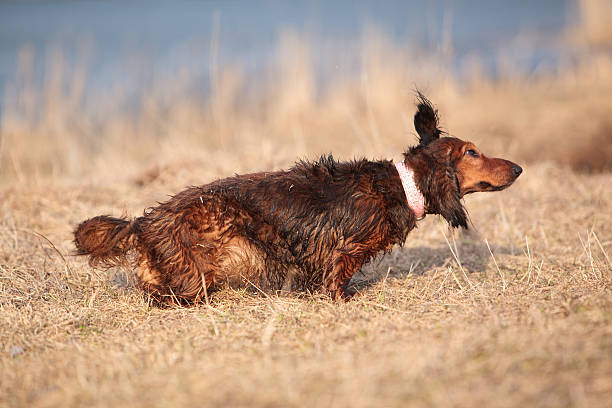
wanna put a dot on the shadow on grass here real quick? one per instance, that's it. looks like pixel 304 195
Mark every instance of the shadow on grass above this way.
pixel 474 256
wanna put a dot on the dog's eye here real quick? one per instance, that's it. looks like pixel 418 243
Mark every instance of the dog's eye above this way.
pixel 470 152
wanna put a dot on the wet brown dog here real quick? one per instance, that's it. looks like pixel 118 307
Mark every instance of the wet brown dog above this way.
pixel 310 227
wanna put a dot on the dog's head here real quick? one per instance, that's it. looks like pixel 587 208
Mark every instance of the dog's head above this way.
pixel 456 167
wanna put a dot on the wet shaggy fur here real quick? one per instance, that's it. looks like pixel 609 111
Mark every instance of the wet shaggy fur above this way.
pixel 307 228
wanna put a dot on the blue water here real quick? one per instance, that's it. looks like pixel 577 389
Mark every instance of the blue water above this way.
pixel 130 43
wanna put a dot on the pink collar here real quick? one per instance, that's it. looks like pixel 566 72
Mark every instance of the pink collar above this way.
pixel 415 199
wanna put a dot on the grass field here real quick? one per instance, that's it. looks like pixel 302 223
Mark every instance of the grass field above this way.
pixel 515 312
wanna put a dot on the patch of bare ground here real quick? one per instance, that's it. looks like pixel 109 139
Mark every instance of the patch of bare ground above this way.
pixel 516 312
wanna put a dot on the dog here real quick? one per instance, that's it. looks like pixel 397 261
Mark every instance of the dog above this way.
pixel 307 228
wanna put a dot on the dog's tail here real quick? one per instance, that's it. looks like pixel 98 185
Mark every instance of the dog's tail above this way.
pixel 106 240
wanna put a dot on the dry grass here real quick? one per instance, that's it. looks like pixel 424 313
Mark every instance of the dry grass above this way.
pixel 528 325
pixel 517 312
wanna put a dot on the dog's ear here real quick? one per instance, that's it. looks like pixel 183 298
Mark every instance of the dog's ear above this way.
pixel 426 120
pixel 445 198
pixel 454 213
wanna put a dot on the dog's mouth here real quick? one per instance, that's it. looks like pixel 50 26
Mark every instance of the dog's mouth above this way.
pixel 486 186
pixel 498 188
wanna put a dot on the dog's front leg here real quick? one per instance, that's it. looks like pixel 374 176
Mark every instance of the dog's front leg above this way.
pixel 344 265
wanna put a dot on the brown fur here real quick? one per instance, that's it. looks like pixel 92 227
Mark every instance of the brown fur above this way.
pixel 310 227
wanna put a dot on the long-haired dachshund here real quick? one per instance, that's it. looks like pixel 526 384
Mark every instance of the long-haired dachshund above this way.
pixel 310 227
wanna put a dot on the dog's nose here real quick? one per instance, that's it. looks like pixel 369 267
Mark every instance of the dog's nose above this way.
pixel 517 170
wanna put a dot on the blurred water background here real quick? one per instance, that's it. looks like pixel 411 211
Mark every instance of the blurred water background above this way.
pixel 130 44
pixel 108 88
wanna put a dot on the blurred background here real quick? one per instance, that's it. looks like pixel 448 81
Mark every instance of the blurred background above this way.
pixel 152 91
